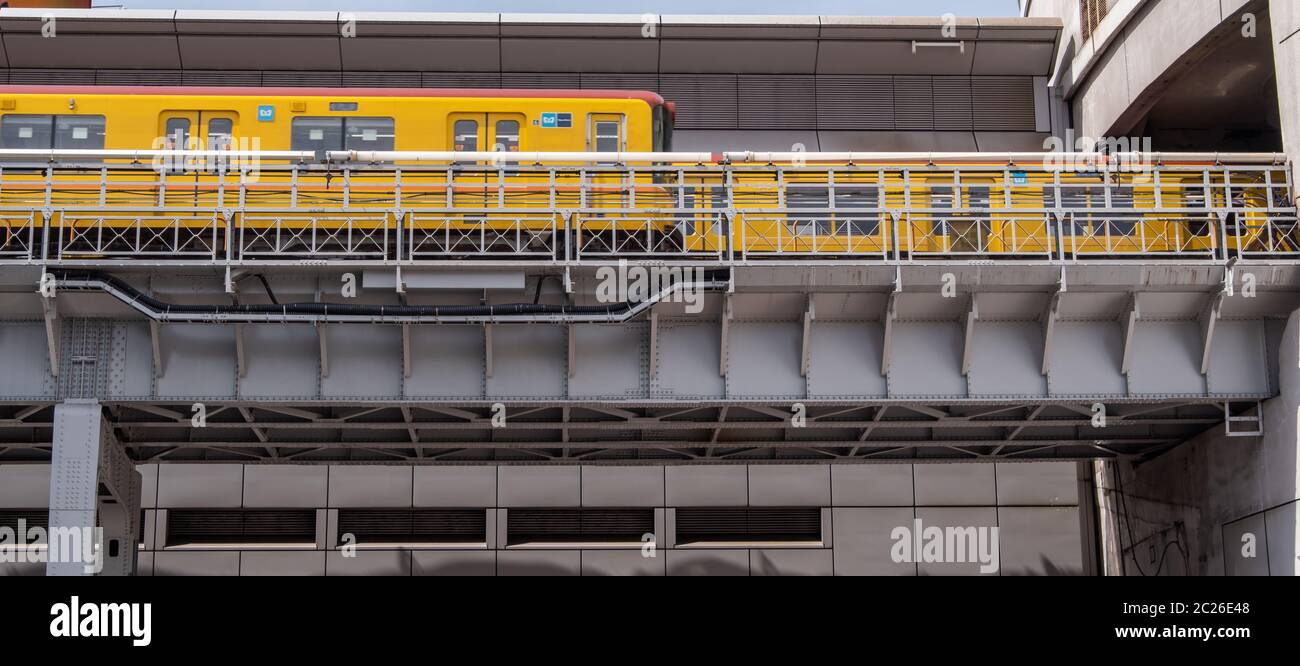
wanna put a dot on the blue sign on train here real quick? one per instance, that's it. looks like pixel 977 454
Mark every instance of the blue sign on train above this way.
pixel 265 113
pixel 557 120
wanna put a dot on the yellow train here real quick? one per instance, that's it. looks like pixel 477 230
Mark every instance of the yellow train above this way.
pixel 971 207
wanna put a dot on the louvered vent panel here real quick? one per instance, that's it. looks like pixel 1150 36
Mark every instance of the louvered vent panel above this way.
pixel 304 79
pixel 137 77
pixel 221 78
pixel 578 525
pixel 755 524
pixel 540 81
pixel 33 517
pixel 381 79
pixel 952 103
pixel 52 76
pixel 460 80
pixel 855 102
pixel 413 525
pixel 205 526
pixel 704 101
pixel 913 103
pixel 4 76
pixel 620 82
pixel 777 102
pixel 1004 103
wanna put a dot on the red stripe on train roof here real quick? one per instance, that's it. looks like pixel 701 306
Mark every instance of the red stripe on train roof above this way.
pixel 653 99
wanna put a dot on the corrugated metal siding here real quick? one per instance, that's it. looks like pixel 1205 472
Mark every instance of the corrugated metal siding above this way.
pixel 777 101
pixel 246 78
pixel 539 81
pixel 52 76
pixel 913 103
pixel 312 79
pixel 460 80
pixel 620 81
pixel 952 103
pixel 1003 103
pixel 138 77
pixel 381 79
pixel 854 102
pixel 704 101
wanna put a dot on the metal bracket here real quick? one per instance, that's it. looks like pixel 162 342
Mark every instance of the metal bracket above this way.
pixel 1257 419
pixel 1209 321
pixel 723 351
pixel 972 316
pixel 891 316
pixel 810 314
pixel 1128 323
pixel 1051 314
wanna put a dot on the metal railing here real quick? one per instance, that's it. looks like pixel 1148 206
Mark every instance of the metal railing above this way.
pixel 720 208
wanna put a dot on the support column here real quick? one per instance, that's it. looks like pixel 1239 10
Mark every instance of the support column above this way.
pixel 90 477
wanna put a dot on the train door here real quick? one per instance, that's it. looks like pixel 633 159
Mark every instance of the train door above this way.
pixel 197 130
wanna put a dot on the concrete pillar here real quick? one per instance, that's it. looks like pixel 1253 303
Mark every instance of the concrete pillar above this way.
pixel 91 478
pixel 1285 18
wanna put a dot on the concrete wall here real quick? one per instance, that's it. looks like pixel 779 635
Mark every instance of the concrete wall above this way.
pixel 1193 506
pixel 1035 505
pixel 1285 15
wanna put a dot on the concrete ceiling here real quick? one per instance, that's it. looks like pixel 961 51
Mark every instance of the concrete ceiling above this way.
pixel 631 43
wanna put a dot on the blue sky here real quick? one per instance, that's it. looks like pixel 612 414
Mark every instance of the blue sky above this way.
pixel 851 7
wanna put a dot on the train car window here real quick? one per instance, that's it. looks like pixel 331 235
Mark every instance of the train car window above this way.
pixel 854 196
pixel 507 135
pixel 79 132
pixel 26 131
pixel 369 134
pixel 815 223
pixel 176 133
pixel 466 135
pixel 221 134
pixel 316 134
pixel 607 137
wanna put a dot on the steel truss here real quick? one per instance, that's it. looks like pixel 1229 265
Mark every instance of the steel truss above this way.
pixel 606 433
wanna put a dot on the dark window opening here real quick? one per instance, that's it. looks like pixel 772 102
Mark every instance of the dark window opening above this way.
pixel 749 525
pixel 31 519
pixel 412 526
pixel 43 132
pixel 199 527
pixel 558 526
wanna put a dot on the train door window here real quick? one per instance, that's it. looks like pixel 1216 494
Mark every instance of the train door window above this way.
pixel 26 131
pixel 316 134
pixel 607 136
pixel 221 133
pixel 465 135
pixel 370 134
pixel 79 132
pixel 507 136
pixel 1123 223
pixel 815 222
pixel 176 133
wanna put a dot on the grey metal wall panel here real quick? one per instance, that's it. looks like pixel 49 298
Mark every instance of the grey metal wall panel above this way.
pixel 872 485
pixel 1086 358
pixel 528 362
pixel 622 486
pixel 1280 523
pixel 24 486
pixel 812 562
pixel 609 362
pixel 453 563
pixel 198 361
pixel 195 563
pixel 926 360
pixel 789 485
pixel 1038 484
pixel 27 355
pixel 707 562
pixel 280 563
pixel 855 102
pixel 763 360
pixel 130 373
pixel 364 362
pixel 844 360
pixel 148 485
pixel 446 362
pixel 619 81
pixel 622 563
pixel 455 487
pixel 1166 359
pixel 558 486
pixel 955 485
pixel 956 517
pixel 952 103
pixel 297 486
pixel 913 103
pixel 1007 360
pixel 777 102
pixel 539 563
pixel 370 486
pixel 1003 103
pixel 707 485
pixel 281 361
pixel 1040 541
pixel 200 486
pixel 863 544
pixel 1239 359
pixel 704 101
pixel 378 53
pixel 369 563
pixel 688 367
